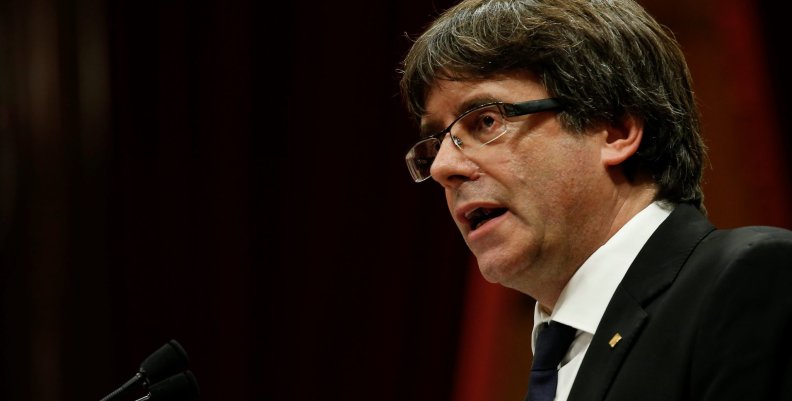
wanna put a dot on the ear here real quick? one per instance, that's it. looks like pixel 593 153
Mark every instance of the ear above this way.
pixel 622 140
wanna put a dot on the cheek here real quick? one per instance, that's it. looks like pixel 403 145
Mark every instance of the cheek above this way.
pixel 537 169
pixel 554 174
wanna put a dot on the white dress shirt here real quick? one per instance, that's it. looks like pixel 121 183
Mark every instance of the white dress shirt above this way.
pixel 584 299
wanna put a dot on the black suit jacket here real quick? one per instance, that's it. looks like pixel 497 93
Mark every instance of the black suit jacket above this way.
pixel 703 314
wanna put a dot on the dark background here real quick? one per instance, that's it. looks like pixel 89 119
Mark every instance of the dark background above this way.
pixel 230 174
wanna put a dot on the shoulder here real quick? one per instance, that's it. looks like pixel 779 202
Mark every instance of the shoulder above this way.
pixel 746 305
pixel 746 277
pixel 742 269
pixel 754 234
pixel 749 246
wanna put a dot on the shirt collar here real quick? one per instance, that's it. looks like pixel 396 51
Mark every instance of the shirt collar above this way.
pixel 586 296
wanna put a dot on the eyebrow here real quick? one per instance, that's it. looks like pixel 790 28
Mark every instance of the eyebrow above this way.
pixel 433 127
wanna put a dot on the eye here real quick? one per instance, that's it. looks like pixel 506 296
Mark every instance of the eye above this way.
pixel 482 125
pixel 487 122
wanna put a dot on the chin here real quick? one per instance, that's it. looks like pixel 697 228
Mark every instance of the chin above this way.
pixel 498 272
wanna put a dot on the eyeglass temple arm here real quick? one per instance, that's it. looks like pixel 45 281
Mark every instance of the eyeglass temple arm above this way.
pixel 533 106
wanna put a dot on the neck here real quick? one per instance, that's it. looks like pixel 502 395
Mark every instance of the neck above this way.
pixel 627 207
pixel 626 201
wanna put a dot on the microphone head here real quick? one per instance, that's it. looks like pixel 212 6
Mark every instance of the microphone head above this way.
pixel 164 362
pixel 179 387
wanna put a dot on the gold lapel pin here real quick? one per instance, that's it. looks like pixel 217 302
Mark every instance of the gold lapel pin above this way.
pixel 615 340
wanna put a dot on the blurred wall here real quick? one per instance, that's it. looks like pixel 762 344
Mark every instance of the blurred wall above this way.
pixel 230 174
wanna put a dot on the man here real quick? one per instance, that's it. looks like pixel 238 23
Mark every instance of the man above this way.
pixel 566 137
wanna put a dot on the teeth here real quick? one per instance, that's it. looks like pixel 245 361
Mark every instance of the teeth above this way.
pixel 478 210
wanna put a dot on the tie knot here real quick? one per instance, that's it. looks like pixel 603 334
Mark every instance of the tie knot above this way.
pixel 552 344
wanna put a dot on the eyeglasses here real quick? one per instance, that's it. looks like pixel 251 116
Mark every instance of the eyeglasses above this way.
pixel 473 129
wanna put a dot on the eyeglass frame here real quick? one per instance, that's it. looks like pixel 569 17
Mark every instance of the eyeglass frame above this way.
pixel 507 110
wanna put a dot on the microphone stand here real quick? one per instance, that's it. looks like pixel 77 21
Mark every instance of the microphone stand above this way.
pixel 124 387
pixel 179 387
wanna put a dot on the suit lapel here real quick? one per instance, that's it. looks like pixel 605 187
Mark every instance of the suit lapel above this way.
pixel 602 360
pixel 652 272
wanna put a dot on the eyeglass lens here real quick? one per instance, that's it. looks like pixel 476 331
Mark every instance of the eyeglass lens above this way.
pixel 473 129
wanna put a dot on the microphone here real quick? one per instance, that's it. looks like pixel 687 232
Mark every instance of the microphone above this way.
pixel 164 363
pixel 179 387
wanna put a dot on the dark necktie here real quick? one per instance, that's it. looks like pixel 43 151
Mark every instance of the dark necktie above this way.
pixel 552 344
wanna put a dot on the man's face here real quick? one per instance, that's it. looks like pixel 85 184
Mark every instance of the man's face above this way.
pixel 526 203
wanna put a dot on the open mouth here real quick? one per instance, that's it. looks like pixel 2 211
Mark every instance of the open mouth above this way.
pixel 481 215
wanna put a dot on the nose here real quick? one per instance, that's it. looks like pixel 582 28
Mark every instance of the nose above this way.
pixel 451 167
